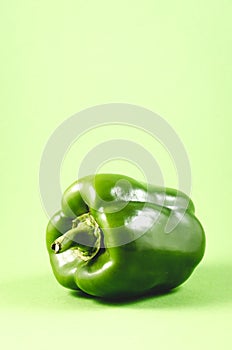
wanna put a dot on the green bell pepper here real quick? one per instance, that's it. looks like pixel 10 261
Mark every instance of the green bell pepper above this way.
pixel 111 237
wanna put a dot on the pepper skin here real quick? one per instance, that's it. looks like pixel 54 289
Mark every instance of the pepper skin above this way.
pixel 110 238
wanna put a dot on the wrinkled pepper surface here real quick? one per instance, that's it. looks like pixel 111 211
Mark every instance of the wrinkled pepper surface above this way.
pixel 115 237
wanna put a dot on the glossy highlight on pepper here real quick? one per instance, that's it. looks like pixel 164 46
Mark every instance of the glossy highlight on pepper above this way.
pixel 110 237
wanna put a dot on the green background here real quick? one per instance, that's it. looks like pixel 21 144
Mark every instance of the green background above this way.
pixel 59 57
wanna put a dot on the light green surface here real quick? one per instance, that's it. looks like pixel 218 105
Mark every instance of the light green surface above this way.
pixel 59 57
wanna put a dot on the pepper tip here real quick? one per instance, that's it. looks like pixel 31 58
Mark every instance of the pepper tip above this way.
pixel 56 247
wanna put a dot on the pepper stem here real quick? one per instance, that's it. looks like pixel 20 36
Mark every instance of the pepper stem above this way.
pixel 84 237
